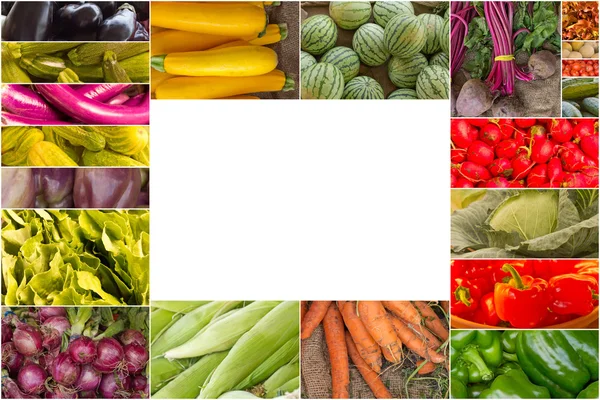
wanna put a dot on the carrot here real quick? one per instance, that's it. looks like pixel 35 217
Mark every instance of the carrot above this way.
pixel 370 376
pixel 303 310
pixel 428 368
pixel 403 310
pixel 446 306
pixel 432 341
pixel 313 317
pixel 432 321
pixel 333 325
pixel 365 344
pixel 378 324
pixel 415 342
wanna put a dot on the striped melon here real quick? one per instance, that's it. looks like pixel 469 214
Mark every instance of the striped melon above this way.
pixel 404 35
pixel 433 32
pixel 403 94
pixel 306 60
pixel 319 34
pixel 364 88
pixel 345 59
pixel 322 81
pixel 440 59
pixel 445 37
pixel 368 43
pixel 350 14
pixel 403 72
pixel 433 83
pixel 383 11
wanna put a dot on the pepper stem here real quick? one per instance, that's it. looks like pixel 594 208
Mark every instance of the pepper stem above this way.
pixel 471 355
pixel 463 295
pixel 515 276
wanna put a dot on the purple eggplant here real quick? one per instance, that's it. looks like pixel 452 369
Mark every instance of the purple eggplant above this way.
pixel 75 19
pixel 108 7
pixel 120 26
pixel 29 21
pixel 140 34
pixel 54 187
pixel 18 188
pixel 107 187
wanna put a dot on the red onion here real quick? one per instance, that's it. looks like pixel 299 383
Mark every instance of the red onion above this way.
pixel 130 336
pixel 11 358
pixel 47 359
pixel 27 339
pixel 31 379
pixel 88 394
pixel 139 384
pixel 113 385
pixel 64 370
pixel 46 312
pixel 82 350
pixel 136 357
pixel 52 331
pixel 109 355
pixel 89 379
pixel 7 332
pixel 10 390
pixel 60 392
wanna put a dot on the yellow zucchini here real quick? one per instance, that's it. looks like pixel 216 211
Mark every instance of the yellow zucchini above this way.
pixel 230 61
pixel 156 78
pixel 157 29
pixel 216 87
pixel 274 33
pixel 175 41
pixel 241 97
pixel 218 18
pixel 235 43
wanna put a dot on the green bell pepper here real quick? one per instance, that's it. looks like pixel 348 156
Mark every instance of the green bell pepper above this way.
pixel 507 366
pixel 509 341
pixel 585 344
pixel 549 360
pixel 474 391
pixel 460 372
pixel 458 390
pixel 480 351
pixel 490 347
pixel 514 385
pixel 590 392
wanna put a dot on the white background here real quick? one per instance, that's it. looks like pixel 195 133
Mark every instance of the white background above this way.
pixel 290 200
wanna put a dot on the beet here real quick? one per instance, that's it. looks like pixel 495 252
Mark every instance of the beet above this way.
pixel 506 107
pixel 542 64
pixel 474 99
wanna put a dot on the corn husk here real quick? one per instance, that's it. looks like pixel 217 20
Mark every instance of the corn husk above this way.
pixel 280 378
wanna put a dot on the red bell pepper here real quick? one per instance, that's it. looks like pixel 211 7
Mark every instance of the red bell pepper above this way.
pixel 573 294
pixel 501 276
pixel 555 319
pixel 522 301
pixel 486 313
pixel 466 295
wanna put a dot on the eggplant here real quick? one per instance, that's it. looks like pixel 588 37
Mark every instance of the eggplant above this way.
pixel 6 6
pixel 120 26
pixel 140 34
pixel 29 21
pixel 78 18
pixel 108 7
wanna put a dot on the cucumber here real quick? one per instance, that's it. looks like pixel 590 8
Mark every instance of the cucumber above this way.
pixel 579 88
pixel 79 136
pixel 569 110
pixel 590 105
pixel 574 104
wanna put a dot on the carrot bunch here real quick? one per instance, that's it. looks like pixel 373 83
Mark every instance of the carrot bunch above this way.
pixel 370 331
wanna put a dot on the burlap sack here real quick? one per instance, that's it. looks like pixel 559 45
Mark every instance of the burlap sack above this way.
pixel 316 375
pixel 380 74
pixel 287 50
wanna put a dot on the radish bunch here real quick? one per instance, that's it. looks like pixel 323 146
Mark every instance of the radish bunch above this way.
pixel 517 153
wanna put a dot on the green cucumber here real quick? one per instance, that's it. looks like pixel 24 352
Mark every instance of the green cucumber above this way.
pixel 590 104
pixel 569 110
pixel 579 88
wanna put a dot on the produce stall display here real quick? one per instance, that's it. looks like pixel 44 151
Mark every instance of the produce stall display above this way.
pixel 518 153
pixel 493 293
pixel 75 257
pixel 356 50
pixel 532 364
pixel 374 349
pixel 74 352
pixel 530 223
pixel 75 62
pixel 215 50
pixel 103 21
pixel 225 349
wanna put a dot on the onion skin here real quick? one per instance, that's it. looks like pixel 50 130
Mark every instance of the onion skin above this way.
pixel 7 332
pixel 136 357
pixel 130 336
pixel 11 358
pixel 31 379
pixel 64 370
pixel 103 91
pixel 89 379
pixel 27 340
pixel 110 355
pixel 83 350
pixel 24 102
pixel 46 312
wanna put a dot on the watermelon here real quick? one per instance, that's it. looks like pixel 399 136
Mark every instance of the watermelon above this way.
pixel 404 35
pixel 319 34
pixel 306 60
pixel 445 37
pixel 322 81
pixel 345 59
pixel 368 43
pixel 433 83
pixel 403 72
pixel 403 94
pixel 440 59
pixel 383 11
pixel 363 88
pixel 350 14
pixel 433 32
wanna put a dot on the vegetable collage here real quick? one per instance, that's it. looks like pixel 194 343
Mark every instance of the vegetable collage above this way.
pixel 355 50
pixel 225 349
pixel 374 349
pixel 216 50
pixel 74 352
pixel 527 364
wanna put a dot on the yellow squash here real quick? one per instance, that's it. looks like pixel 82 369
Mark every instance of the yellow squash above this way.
pixel 215 87
pixel 230 61
pixel 156 78
pixel 275 33
pixel 218 18
pixel 241 97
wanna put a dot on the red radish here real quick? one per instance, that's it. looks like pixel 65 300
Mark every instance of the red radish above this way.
pixel 27 339
pixel 479 122
pixel 542 150
pixel 521 137
pixel 524 122
pixel 507 149
pixel 507 128
pixel 461 133
pixel 31 379
pixel 463 183
pixel 585 127
pixel 474 172
pixel 574 180
pixel 11 358
pixel 453 180
pixel 480 153
pixel 500 166
pixel 109 355
pixel 572 159
pixel 490 134
pixel 554 170
pixel 458 155
pixel 64 370
pixel 561 130
pixel 521 166
pixel 589 145
pixel 82 350
pixel 516 184
pixel 497 182
pixel 537 132
pixel 538 176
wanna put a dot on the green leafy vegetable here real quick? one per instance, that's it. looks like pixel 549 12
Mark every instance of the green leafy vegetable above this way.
pixel 479 42
pixel 541 20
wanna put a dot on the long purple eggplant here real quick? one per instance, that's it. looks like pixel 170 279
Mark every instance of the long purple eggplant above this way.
pixel 9 119
pixel 24 102
pixel 103 91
